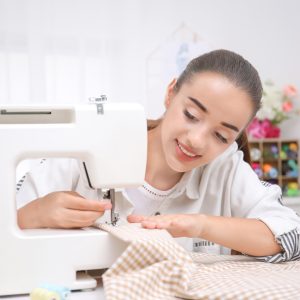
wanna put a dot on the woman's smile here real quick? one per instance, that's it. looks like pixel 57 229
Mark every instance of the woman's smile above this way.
pixel 185 153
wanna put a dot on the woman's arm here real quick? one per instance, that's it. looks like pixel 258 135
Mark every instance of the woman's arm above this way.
pixel 249 236
pixel 61 210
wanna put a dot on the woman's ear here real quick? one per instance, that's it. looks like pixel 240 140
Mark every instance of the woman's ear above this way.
pixel 170 92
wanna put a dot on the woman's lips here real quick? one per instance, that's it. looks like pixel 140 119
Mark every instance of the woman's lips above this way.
pixel 184 153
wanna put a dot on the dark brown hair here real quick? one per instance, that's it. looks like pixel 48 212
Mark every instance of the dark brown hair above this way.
pixel 231 65
pixel 237 70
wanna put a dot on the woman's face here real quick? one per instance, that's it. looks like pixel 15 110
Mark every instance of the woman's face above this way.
pixel 202 120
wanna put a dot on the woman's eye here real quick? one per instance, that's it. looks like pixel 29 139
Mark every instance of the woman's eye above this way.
pixel 221 138
pixel 189 115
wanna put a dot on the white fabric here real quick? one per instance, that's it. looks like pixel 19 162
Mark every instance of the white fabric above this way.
pixel 226 187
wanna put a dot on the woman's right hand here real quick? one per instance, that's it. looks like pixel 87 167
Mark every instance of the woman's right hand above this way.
pixel 61 210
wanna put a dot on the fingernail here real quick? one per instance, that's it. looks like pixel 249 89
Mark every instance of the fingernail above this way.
pixel 107 206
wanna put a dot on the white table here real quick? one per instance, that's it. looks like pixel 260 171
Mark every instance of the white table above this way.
pixel 96 294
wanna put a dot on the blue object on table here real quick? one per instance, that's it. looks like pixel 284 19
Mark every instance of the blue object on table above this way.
pixel 63 292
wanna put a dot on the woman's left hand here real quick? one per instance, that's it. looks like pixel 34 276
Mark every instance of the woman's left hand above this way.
pixel 181 225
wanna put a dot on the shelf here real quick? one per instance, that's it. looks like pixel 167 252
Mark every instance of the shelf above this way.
pixel 287 159
pixel 270 160
pixel 289 178
pixel 272 169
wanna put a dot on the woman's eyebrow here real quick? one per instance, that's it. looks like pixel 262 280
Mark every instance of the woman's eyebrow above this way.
pixel 230 126
pixel 199 104
pixel 204 109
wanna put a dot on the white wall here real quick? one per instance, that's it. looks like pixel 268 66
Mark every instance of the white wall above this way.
pixel 67 50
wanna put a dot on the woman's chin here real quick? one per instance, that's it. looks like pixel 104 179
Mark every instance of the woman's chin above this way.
pixel 179 167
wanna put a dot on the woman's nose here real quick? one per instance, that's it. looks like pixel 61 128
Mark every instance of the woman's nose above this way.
pixel 198 138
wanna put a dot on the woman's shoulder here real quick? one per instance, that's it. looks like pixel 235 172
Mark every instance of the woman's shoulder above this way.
pixel 56 165
pixel 229 159
pixel 48 170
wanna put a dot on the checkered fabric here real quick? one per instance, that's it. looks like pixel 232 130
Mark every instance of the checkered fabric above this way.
pixel 155 267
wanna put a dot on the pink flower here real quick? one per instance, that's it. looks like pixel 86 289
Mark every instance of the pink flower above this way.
pixel 255 130
pixel 290 91
pixel 263 129
pixel 287 106
pixel 273 132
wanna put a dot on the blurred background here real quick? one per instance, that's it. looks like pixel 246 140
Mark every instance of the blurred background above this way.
pixel 65 51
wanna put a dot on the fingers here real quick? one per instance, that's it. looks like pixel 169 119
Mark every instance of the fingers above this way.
pixel 171 226
pixel 176 225
pixel 79 203
pixel 152 222
pixel 149 224
pixel 155 225
pixel 136 218
pixel 141 218
pixel 79 218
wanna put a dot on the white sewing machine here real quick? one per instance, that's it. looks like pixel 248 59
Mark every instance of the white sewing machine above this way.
pixel 111 140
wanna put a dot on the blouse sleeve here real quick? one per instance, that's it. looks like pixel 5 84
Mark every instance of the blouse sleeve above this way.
pixel 252 198
pixel 49 175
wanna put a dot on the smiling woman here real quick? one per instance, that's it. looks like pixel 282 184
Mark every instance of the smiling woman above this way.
pixel 208 119
pixel 198 185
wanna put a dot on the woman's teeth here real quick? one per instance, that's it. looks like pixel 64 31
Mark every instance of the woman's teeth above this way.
pixel 186 152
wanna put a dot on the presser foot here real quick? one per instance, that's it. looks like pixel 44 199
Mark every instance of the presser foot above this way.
pixel 114 218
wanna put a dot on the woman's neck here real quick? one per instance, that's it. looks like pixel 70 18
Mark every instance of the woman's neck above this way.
pixel 158 172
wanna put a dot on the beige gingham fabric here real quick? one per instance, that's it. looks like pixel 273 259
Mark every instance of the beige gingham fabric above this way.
pixel 155 267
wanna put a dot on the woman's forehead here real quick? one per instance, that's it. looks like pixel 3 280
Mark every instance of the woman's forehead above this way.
pixel 219 96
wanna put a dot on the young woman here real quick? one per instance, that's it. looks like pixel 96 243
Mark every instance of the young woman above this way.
pixel 197 184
